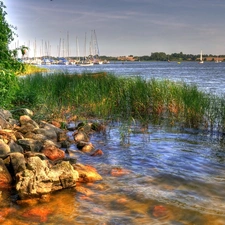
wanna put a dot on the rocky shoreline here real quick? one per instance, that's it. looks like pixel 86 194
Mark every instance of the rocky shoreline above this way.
pixel 35 158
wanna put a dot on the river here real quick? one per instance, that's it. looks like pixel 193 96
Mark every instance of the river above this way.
pixel 171 176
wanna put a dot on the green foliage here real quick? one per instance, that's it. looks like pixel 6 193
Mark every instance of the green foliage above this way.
pixel 7 60
pixel 8 88
pixel 118 98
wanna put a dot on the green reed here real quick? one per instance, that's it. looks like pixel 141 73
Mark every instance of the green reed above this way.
pixel 60 95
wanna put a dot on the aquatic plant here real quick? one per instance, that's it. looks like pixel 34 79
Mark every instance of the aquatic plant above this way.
pixel 61 95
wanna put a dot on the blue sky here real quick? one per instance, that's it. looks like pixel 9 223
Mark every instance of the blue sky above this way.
pixel 123 27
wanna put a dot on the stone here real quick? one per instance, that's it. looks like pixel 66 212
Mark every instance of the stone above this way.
pixel 5 176
pixel 3 123
pixel 14 147
pixel 87 148
pixel 160 211
pixel 18 162
pixel 87 173
pixel 53 153
pixel 6 114
pixel 63 173
pixel 117 172
pixel 81 136
pixel 49 133
pixel 22 111
pixel 24 120
pixel 29 144
pixel 39 214
pixel 98 152
pixel 4 148
pixel 40 178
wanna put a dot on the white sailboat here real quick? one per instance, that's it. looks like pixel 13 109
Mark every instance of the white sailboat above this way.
pixel 86 61
pixel 201 61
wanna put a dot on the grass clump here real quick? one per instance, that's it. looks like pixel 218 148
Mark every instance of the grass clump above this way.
pixel 30 69
pixel 117 98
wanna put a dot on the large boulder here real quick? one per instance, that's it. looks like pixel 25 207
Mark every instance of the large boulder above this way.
pixel 39 177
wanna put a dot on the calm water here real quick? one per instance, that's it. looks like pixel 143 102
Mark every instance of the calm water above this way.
pixel 209 76
pixel 172 177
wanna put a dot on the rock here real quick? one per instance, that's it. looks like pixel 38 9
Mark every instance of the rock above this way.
pixel 4 148
pixel 3 123
pixel 14 147
pixel 116 172
pixel 81 137
pixel 53 153
pixel 63 173
pixel 30 144
pixel 87 148
pixel 18 162
pixel 56 123
pixel 81 144
pixel 32 158
pixel 7 135
pixel 39 214
pixel 98 152
pixel 5 114
pixel 5 213
pixel 22 111
pixel 25 120
pixel 84 191
pixel 27 124
pixel 87 173
pixel 49 133
pixel 5 177
pixel 159 211
pixel 39 177
pixel 62 136
pixel 50 128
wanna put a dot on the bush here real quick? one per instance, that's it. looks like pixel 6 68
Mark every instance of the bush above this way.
pixel 8 88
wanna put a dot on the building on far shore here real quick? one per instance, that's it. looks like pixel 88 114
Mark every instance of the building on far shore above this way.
pixel 126 58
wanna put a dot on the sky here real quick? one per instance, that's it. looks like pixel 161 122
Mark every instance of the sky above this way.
pixel 122 27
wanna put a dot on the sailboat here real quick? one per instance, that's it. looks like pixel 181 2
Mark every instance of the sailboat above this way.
pixel 201 61
pixel 86 60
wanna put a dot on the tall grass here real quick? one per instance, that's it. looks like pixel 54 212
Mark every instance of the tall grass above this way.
pixel 107 96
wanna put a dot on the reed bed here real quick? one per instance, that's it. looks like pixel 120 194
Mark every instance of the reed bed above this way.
pixel 106 96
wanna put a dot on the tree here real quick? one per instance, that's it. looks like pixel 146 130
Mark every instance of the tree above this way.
pixel 8 63
pixel 7 60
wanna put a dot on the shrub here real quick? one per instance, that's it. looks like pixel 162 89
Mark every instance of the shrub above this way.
pixel 8 88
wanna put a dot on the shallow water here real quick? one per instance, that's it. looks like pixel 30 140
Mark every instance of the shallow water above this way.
pixel 170 176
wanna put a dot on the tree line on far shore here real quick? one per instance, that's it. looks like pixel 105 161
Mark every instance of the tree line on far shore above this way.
pixel 162 56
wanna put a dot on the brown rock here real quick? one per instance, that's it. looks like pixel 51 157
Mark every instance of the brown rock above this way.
pixel 87 173
pixel 160 211
pixel 116 172
pixel 98 152
pixel 38 214
pixel 81 136
pixel 87 148
pixel 5 177
pixel 53 153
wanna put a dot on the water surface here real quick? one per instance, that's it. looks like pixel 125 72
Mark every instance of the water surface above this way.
pixel 171 176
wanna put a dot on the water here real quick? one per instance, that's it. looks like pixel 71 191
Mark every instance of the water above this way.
pixel 209 76
pixel 171 176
